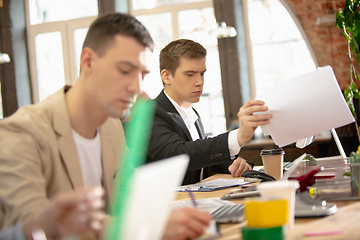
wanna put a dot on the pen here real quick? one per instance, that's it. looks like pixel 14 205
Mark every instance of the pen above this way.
pixel 192 197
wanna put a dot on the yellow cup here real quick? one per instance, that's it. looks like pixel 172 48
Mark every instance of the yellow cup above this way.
pixel 266 212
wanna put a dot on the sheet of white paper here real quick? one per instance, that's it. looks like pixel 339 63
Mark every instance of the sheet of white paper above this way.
pixel 305 106
pixel 209 205
pixel 145 214
pixel 218 183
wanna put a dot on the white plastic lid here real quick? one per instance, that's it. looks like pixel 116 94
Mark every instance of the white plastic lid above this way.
pixel 277 185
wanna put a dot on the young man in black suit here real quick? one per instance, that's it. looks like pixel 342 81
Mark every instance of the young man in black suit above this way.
pixel 177 127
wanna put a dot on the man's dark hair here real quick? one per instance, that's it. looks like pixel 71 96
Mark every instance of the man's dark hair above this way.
pixel 170 55
pixel 103 30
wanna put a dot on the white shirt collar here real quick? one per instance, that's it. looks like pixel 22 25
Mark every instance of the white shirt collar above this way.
pixel 184 112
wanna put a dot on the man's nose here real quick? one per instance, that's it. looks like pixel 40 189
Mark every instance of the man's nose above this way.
pixel 135 84
pixel 200 80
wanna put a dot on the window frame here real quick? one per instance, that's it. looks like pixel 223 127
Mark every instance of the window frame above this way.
pixel 173 9
pixel 66 29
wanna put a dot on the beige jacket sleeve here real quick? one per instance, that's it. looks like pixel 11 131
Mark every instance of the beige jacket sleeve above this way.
pixel 38 158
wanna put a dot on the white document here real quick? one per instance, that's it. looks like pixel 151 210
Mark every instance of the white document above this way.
pixel 146 214
pixel 305 106
pixel 213 185
pixel 209 205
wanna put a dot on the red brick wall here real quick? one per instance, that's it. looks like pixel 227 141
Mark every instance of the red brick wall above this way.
pixel 328 42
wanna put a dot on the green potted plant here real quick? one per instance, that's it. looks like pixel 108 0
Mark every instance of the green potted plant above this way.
pixel 348 19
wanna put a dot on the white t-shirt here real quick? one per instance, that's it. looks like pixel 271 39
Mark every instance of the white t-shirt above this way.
pixel 89 153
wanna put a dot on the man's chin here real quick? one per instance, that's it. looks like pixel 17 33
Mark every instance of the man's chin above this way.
pixel 124 114
pixel 196 100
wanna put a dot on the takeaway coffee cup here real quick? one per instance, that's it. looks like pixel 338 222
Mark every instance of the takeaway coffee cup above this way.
pixel 273 160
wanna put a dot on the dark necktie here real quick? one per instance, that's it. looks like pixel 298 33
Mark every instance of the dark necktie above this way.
pixel 202 135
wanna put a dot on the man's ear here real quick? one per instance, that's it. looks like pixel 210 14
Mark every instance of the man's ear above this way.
pixel 165 77
pixel 86 59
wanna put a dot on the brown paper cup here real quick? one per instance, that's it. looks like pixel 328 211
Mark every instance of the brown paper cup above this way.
pixel 273 160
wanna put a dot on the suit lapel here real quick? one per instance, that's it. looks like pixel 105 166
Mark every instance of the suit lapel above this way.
pixel 66 144
pixel 165 103
pixel 178 119
pixel 109 156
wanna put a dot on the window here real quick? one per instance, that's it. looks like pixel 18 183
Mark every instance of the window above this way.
pixel 42 11
pixel 279 51
pixel 56 30
pixel 174 19
pixel 149 4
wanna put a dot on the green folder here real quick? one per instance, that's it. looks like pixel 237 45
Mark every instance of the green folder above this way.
pixel 137 138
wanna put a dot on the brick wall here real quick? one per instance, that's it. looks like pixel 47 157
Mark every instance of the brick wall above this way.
pixel 328 42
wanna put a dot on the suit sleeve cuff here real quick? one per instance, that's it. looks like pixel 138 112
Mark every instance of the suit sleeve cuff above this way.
pixel 234 147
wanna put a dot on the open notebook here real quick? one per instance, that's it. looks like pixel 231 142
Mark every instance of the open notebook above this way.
pixel 153 187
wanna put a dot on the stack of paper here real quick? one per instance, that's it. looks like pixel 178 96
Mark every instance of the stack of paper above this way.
pixel 305 106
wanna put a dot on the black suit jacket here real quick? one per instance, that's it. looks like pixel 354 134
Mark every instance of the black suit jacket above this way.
pixel 171 137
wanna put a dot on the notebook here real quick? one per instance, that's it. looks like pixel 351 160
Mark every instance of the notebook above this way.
pixel 153 187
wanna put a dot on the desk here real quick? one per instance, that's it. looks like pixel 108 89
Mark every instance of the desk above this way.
pixel 347 219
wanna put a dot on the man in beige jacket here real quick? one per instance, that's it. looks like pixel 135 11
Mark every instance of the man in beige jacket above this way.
pixel 71 139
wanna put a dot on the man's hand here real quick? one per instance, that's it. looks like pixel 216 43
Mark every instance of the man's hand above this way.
pixel 75 213
pixel 186 223
pixel 249 122
pixel 238 166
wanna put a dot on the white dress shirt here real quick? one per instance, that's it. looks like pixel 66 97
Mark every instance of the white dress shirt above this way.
pixel 189 116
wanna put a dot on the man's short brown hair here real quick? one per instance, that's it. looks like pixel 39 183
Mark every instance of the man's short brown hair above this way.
pixel 103 30
pixel 170 55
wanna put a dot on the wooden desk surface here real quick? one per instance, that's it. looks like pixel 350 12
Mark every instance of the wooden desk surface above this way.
pixel 346 219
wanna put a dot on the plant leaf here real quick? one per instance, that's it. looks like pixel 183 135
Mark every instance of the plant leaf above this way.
pixel 354 90
pixel 339 19
pixel 345 33
pixel 357 54
pixel 357 76
pixel 349 14
pixel 348 94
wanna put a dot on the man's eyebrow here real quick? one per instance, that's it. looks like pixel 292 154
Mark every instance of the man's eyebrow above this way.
pixel 132 65
pixel 194 71
pixel 191 71
pixel 128 63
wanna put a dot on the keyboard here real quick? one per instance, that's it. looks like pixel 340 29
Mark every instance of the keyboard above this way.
pixel 227 214
pixel 286 166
